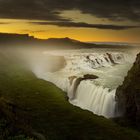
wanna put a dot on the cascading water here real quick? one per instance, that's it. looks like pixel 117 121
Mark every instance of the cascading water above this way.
pixel 94 93
pixel 98 99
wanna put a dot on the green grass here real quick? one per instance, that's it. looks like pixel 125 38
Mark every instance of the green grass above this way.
pixel 49 113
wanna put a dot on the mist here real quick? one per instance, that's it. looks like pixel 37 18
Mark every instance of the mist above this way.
pixel 38 59
pixel 81 66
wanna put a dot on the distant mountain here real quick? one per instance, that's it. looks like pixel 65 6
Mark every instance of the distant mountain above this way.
pixel 69 43
pixel 7 39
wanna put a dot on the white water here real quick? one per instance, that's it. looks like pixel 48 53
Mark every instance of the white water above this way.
pixel 97 99
pixel 95 95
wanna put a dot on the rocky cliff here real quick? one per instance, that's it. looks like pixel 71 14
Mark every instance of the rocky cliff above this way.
pixel 128 94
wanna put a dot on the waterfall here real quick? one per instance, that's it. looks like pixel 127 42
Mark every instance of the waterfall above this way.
pixel 95 92
pixel 94 98
pixel 90 61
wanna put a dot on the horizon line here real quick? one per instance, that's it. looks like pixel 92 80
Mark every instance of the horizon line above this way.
pixel 93 41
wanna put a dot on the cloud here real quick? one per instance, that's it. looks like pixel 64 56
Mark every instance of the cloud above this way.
pixel 33 31
pixel 32 9
pixel 86 25
pixel 51 9
pixel 4 22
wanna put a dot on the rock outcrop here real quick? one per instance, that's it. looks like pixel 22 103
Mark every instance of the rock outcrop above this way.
pixel 78 81
pixel 128 94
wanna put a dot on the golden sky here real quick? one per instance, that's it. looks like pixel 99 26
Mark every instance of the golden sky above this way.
pixel 37 29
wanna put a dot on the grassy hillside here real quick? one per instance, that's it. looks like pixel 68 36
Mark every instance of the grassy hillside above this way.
pixel 34 107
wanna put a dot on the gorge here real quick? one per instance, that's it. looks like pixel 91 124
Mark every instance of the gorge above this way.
pixel 90 79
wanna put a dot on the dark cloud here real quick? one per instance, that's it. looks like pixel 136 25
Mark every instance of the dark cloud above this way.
pixel 50 9
pixel 31 9
pixel 4 22
pixel 86 25
pixel 33 31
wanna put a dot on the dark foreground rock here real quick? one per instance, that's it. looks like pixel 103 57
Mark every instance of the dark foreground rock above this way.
pixel 128 94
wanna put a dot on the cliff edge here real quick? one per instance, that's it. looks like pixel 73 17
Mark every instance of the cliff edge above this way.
pixel 128 94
